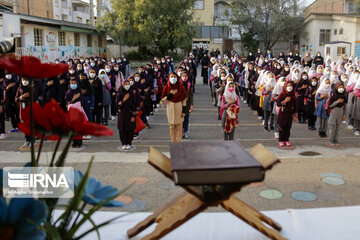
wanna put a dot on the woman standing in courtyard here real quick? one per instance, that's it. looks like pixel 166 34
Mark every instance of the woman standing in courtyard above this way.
pixel 175 95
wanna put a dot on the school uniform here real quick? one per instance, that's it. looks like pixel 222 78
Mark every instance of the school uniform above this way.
pixel 126 110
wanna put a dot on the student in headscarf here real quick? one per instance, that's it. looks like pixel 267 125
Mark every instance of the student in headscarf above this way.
pixel 275 94
pixel 175 95
pixel 127 65
pixel 307 61
pixel 88 96
pixel 11 88
pixel 286 103
pixel 336 103
pixel 97 89
pixel 301 87
pixel 126 107
pixel 356 108
pixel 267 106
pixel 189 103
pixel 318 60
pixel 286 70
pixel 73 96
pixel 351 98
pixel 310 103
pixel 229 110
pixel 321 97
pixel 23 99
pixel 111 75
pixel 106 87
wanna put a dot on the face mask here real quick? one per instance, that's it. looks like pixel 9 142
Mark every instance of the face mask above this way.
pixel 282 84
pixel 304 77
pixel 269 52
pixel 340 90
pixel 119 61
pixel 73 86
pixel 131 83
pixel 266 60
pixel 168 60
pixel 137 79
pixel 158 62
pixel 319 54
pixel 250 54
pixel 69 63
pixel 327 86
pixel 184 79
pixel 287 69
pixel 116 68
pixel 71 71
pixel 92 64
pixel 107 70
pixel 289 88
pixel 124 59
pixel 259 51
pixel 56 62
pixel 251 68
pixel 278 67
pixel 314 84
pixel 231 90
pixel 190 61
pixel 223 78
pixel 79 68
pixel 81 60
pixel 92 75
pixel 127 87
pixel 87 61
pixel 25 83
pixel 187 68
pixel 86 68
pixel 179 74
pixel 156 69
pixel 8 76
pixel 102 76
pixel 345 80
pixel 112 60
pixel 173 80
pixel 163 61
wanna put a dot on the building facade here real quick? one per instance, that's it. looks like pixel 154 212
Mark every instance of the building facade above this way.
pixel 50 39
pixel 332 28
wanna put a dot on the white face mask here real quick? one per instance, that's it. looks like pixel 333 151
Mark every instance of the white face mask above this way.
pixel 304 77
pixel 56 62
pixel 107 70
pixel 102 76
pixel 79 68
pixel 25 83
pixel 127 87
pixel 71 71
pixel 341 90
pixel 92 64
pixel 282 84
pixel 289 88
pixel 314 84
pixel 223 78
pixel 158 62
pixel 163 61
pixel 278 67
pixel 137 79
pixel 81 60
pixel 287 69
pixel 179 74
pixel 8 76
pixel 327 86
pixel 92 75
pixel 156 69
pixel 131 83
pixel 173 80
pixel 124 59
pixel 116 68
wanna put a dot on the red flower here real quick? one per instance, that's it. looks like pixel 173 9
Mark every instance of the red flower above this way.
pixel 31 67
pixel 56 123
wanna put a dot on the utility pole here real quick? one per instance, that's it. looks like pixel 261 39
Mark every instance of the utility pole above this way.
pixel 15 8
pixel 92 23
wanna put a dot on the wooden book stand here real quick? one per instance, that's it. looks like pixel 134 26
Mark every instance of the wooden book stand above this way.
pixel 197 198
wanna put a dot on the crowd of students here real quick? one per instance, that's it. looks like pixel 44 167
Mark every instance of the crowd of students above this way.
pixel 105 90
pixel 285 89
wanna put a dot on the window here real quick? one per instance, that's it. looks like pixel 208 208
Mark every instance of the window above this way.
pixel 335 31
pixel 62 39
pixel 100 39
pixel 56 3
pixel 199 5
pixel 328 51
pixel 38 37
pixel 341 31
pixel 79 19
pixel 324 36
pixel 77 39
pixel 341 51
pixel 89 40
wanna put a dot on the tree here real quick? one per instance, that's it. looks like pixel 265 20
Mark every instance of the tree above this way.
pixel 164 25
pixel 269 20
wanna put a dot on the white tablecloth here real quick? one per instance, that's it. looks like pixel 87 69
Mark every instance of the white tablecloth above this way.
pixel 341 223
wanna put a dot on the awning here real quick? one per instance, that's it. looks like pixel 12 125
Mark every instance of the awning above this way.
pixel 75 29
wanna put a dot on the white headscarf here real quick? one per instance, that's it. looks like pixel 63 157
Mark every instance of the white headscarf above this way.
pixel 357 84
pixel 352 79
pixel 270 81
pixel 279 86
pixel 228 95
pixel 106 76
pixel 324 89
pixel 334 77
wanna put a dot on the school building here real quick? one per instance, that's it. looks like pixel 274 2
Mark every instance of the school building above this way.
pixel 49 39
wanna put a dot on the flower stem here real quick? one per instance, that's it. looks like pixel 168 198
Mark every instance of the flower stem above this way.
pixel 79 213
pixel 40 147
pixel 32 125
pixel 61 160
pixel 55 151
